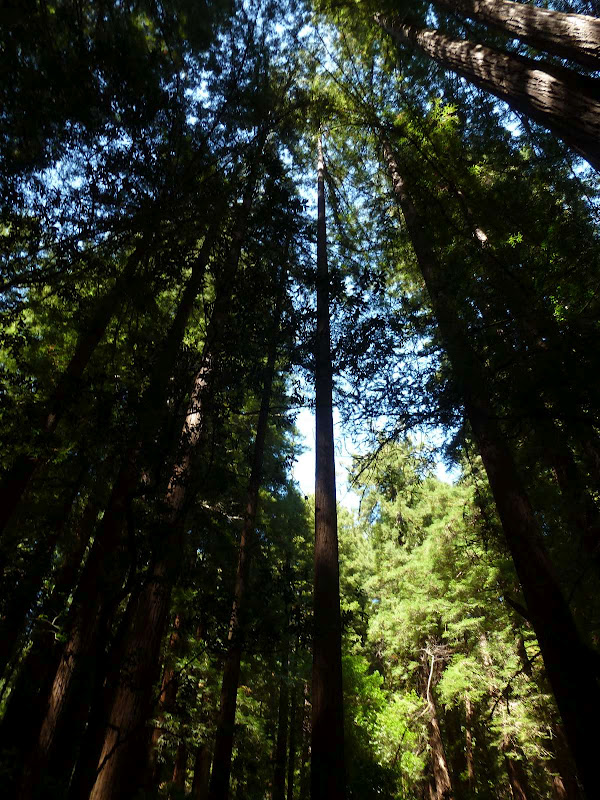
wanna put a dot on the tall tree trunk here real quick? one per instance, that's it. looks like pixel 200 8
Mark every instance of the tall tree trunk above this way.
pixel 278 791
pixel 201 773
pixel 564 781
pixel 562 101
pixel 572 36
pixel 305 751
pixel 25 595
pixel 221 768
pixel 517 777
pixel 328 779
pixel 125 742
pixel 469 743
pixel 17 479
pixel 166 698
pixel 293 741
pixel 568 665
pixel 105 568
pixel 441 785
pixel 180 768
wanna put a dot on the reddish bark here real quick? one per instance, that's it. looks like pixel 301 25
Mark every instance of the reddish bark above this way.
pixel 568 665
pixel 328 780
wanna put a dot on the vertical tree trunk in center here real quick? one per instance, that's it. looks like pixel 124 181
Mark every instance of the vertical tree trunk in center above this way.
pixel 327 762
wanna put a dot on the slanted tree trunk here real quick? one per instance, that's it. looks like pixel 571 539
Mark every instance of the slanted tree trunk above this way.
pixel 26 593
pixel 517 777
pixel 568 665
pixel 221 768
pixel 441 785
pixel 123 760
pixel 564 102
pixel 17 479
pixel 572 36
pixel 106 566
pixel 328 780
pixel 166 698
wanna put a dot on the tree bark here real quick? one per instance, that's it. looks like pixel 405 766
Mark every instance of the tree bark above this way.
pixel 564 102
pixel 572 36
pixel 221 768
pixel 441 786
pixel 328 779
pixel 180 768
pixel 17 479
pixel 469 743
pixel 517 777
pixel 278 791
pixel 305 752
pixel 568 665
pixel 201 773
pixel 293 743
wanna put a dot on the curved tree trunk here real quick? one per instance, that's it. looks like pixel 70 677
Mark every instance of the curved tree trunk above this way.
pixel 568 665
pixel 572 36
pixel 564 102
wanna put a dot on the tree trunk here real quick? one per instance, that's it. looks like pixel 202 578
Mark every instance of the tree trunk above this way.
pixel 104 571
pixel 180 768
pixel 221 768
pixel 26 594
pixel 568 665
pixel 166 698
pixel 517 777
pixel 17 479
pixel 564 780
pixel 201 773
pixel 328 780
pixel 293 743
pixel 572 36
pixel 564 102
pixel 125 742
pixel 469 743
pixel 305 752
pixel 278 791
pixel 441 786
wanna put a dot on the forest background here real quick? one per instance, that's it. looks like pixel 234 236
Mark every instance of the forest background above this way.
pixel 160 630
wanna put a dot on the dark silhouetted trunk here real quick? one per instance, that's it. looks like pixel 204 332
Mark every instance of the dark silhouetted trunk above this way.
pixel 17 479
pixel 201 773
pixel 221 768
pixel 328 780
pixel 106 566
pixel 166 699
pixel 26 593
pixel 564 780
pixel 180 768
pixel 564 102
pixel 291 772
pixel 572 36
pixel 568 665
pixel 517 777
pixel 123 762
pixel 304 787
pixel 278 791
pixel 469 743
